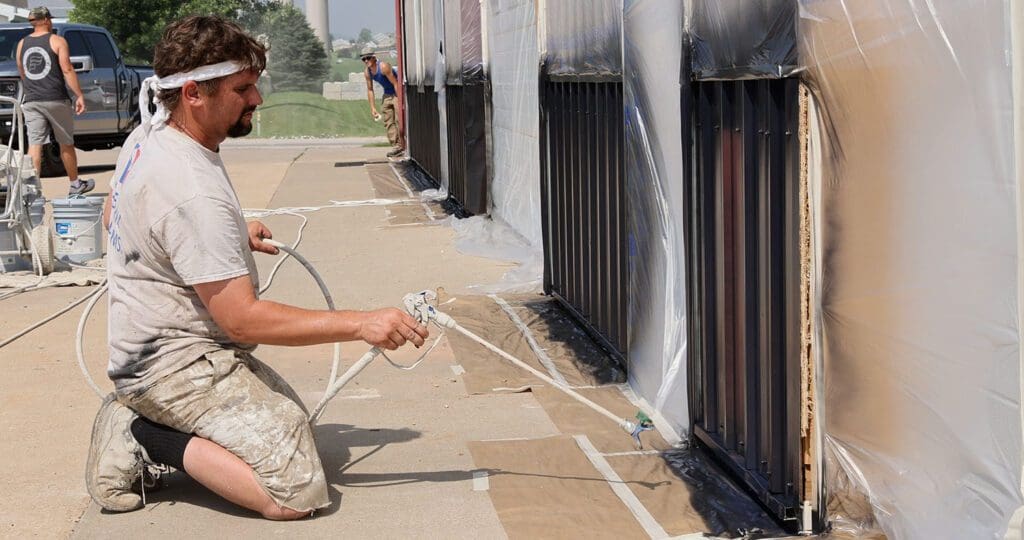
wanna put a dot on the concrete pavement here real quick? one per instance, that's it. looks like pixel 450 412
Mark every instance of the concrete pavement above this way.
pixel 395 444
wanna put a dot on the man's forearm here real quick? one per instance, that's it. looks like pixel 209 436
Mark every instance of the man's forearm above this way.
pixel 370 98
pixel 271 323
pixel 72 81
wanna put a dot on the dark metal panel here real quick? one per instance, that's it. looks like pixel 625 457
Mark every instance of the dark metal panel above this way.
pixel 585 244
pixel 548 159
pixel 467 150
pixel 709 125
pixel 743 258
pixel 602 282
pixel 424 129
pixel 615 125
pixel 794 459
pixel 745 280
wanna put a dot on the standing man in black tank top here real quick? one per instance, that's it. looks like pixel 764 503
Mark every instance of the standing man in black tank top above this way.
pixel 46 72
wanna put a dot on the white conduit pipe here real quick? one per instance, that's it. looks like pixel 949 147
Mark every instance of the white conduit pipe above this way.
pixel 52 317
pixel 80 337
pixel 337 385
pixel 319 283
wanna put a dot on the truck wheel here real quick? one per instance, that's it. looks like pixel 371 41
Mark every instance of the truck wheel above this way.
pixel 52 164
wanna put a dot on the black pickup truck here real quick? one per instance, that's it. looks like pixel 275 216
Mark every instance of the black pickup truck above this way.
pixel 110 86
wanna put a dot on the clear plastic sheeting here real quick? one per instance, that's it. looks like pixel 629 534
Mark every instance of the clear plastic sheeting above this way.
pixel 584 37
pixel 431 32
pixel 916 252
pixel 462 41
pixel 440 75
pixel 481 236
pixel 453 40
pixel 743 39
pixel 412 43
pixel 472 42
pixel 654 169
pixel 515 121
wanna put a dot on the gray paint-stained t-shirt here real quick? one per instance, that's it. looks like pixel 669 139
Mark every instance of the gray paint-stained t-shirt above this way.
pixel 175 222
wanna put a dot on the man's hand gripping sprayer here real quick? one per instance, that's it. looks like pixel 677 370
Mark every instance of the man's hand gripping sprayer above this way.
pixel 419 307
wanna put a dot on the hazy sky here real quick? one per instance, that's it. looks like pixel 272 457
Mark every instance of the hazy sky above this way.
pixel 350 16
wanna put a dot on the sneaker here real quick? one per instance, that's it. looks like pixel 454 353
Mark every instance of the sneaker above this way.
pixel 81 187
pixel 115 459
pixel 396 152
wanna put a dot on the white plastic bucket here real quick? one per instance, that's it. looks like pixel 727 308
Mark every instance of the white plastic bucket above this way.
pixel 9 241
pixel 78 229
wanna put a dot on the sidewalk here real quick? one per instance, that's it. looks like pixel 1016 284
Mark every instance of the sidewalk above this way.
pixel 465 446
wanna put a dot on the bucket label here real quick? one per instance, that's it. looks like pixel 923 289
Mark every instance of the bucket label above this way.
pixel 75 239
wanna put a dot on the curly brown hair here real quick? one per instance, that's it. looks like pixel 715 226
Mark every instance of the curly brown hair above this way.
pixel 198 41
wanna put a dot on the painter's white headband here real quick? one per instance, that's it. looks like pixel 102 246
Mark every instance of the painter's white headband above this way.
pixel 177 80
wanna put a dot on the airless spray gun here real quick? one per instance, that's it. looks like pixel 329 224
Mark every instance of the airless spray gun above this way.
pixel 419 307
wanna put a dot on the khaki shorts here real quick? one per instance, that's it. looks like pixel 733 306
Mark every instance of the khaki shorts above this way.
pixel 241 404
pixel 43 116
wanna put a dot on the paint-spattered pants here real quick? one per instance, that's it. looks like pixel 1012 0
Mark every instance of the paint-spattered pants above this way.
pixel 238 402
pixel 389 110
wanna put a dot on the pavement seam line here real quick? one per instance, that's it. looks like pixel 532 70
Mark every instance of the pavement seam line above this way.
pixel 285 175
pixel 637 508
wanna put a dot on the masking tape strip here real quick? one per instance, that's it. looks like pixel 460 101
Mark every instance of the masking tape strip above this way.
pixel 480 481
pixel 646 520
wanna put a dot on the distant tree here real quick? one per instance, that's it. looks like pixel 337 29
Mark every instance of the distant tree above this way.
pixel 138 24
pixel 365 36
pixel 297 58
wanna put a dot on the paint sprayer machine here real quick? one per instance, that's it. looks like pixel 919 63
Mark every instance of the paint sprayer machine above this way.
pixel 25 241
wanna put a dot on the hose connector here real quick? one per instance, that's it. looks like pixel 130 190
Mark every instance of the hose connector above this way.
pixel 643 423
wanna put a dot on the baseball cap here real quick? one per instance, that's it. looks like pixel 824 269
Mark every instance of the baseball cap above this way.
pixel 38 13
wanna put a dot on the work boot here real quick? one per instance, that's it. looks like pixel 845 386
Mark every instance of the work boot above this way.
pixel 396 152
pixel 115 459
pixel 81 187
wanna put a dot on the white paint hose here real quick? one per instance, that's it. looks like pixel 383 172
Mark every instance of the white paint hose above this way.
pixel 417 305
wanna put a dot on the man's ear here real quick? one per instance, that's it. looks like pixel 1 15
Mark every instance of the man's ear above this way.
pixel 190 93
